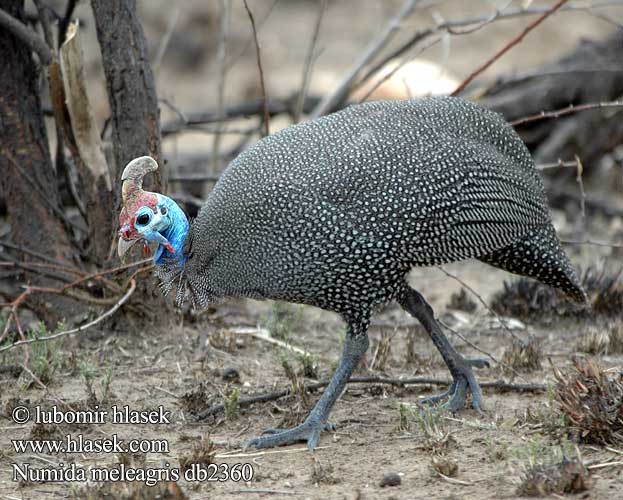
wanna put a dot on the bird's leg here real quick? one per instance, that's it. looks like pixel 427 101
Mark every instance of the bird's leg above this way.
pixel 460 367
pixel 355 347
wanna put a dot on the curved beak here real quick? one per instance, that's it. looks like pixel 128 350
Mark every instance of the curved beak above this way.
pixel 124 245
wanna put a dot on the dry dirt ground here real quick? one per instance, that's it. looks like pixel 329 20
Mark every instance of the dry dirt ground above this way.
pixel 182 368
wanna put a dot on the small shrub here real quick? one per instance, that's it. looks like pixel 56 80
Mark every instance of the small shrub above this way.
pixel 523 355
pixel 461 301
pixel 592 402
pixel 202 454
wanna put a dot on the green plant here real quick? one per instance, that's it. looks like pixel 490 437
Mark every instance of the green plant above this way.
pixel 404 417
pixel 44 358
pixel 230 402
pixel 88 372
pixel 309 364
pixel 546 468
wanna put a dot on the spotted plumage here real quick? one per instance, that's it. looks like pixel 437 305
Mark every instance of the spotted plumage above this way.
pixel 334 213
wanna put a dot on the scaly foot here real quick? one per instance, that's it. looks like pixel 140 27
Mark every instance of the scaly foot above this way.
pixel 463 380
pixel 308 431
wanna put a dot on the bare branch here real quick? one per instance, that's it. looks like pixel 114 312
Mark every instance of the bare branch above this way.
pixel 64 22
pixel 81 328
pixel 480 299
pixel 309 61
pixel 480 21
pixel 340 94
pixel 508 46
pixel 259 66
pixel 220 54
pixel 29 37
pixel 164 42
pixel 566 111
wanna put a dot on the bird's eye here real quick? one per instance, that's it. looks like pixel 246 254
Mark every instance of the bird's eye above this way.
pixel 142 219
pixel 163 210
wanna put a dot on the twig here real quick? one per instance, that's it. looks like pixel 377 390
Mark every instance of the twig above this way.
pixel 559 164
pixel 309 61
pixel 81 328
pixel 263 398
pixel 233 60
pixel 566 111
pixel 398 66
pixel 259 66
pixel 481 300
pixel 335 98
pixel 240 110
pixel 578 178
pixel 64 22
pixel 26 250
pixel 26 35
pixel 44 12
pixel 220 53
pixel 508 46
pixel 481 21
pixel 591 242
pixel 164 42
pixel 264 334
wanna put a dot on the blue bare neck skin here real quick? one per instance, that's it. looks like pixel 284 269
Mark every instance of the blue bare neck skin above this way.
pixel 176 233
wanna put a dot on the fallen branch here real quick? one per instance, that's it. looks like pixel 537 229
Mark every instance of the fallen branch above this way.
pixel 508 46
pixel 396 382
pixel 80 328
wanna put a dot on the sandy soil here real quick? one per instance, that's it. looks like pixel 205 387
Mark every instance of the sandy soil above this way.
pixel 174 368
pixel 166 364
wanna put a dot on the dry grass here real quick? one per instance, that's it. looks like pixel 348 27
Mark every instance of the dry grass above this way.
pixel 523 356
pixel 536 302
pixel 602 340
pixel 130 490
pixel 201 454
pixel 566 476
pixel 591 400
pixel 461 301
pixel 323 472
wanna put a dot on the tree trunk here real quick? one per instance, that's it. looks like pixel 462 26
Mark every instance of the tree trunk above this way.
pixel 135 116
pixel 131 89
pixel 26 172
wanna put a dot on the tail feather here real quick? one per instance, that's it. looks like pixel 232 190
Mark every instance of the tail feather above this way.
pixel 539 255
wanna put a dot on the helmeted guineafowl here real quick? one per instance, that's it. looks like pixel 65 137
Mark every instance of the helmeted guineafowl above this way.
pixel 334 213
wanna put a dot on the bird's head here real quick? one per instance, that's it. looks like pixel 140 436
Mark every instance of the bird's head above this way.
pixel 150 217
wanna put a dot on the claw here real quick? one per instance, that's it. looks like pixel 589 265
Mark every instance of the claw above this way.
pixel 463 381
pixel 308 431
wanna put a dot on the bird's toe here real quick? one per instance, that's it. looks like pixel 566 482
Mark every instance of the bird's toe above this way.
pixel 308 431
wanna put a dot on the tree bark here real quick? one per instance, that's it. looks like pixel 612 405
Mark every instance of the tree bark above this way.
pixel 26 171
pixel 131 90
pixel 135 116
